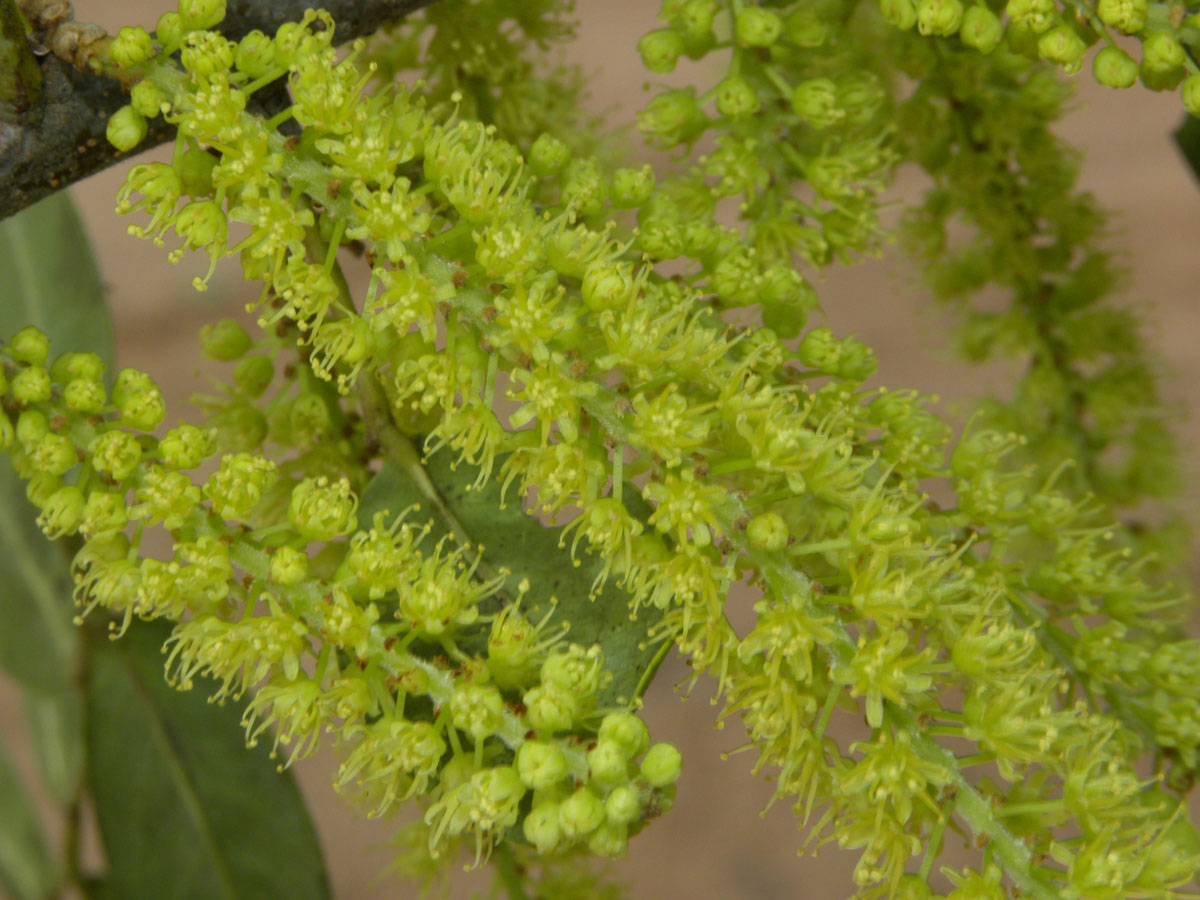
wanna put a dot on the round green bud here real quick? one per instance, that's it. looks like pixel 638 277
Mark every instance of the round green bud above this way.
pixel 200 14
pixel 169 30
pixel 550 709
pixel 580 814
pixel 696 18
pixel 1191 94
pixel 736 97
pixel 768 531
pixel 31 385
pixel 1114 68
pixel 131 46
pixel 981 29
pixel 115 453
pixel 805 28
pixel 1063 47
pixel 288 566
pixel 608 763
pixel 541 826
pixel 607 287
pixel 308 419
pixel 541 764
pixel 32 426
pixel 54 454
pixel 627 731
pixel 138 399
pixel 623 805
pixel 548 156
pixel 104 515
pixel 630 188
pixel 1128 16
pixel 661 49
pixel 186 446
pixel 255 54
pixel 63 512
pixel 662 765
pixel 673 117
pixel 202 223
pixel 225 340
pixel 29 346
pixel 126 128
pixel 321 511
pixel 584 187
pixel 84 395
pixel 901 13
pixel 69 366
pixel 1162 52
pixel 609 840
pixel 758 27
pixel 816 102
pixel 41 487
pixel 939 17
pixel 253 375
pixel 195 168
pixel 1032 15
pixel 146 99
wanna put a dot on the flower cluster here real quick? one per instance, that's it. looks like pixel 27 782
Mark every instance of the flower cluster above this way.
pixel 1012 628
pixel 1063 33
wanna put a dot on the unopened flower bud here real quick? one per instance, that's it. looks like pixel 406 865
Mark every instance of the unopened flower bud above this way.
pixel 606 287
pixel 736 97
pixel 608 763
pixel 255 54
pixel 253 375
pixel 139 400
pixel 758 27
pixel 901 13
pixel 1162 52
pixel 195 168
pixel 541 764
pixel 200 14
pixel 104 515
pixel 623 805
pixel 631 188
pixel 580 814
pixel 29 346
pixel 131 46
pixel 548 156
pixel 288 566
pixel 662 765
pixel 627 731
pixel 31 385
pixel 126 128
pixel 768 531
pixel 661 49
pixel 186 446
pixel 1128 16
pixel 939 17
pixel 1036 16
pixel 1114 68
pixel 84 395
pixel 981 29
pixel 146 99
pixel 116 453
pixel 815 101
pixel 169 30
pixel 541 826
pixel 321 511
pixel 1063 47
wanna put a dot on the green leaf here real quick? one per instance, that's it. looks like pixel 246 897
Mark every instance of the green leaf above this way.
pixel 186 810
pixel 517 541
pixel 48 278
pixel 56 726
pixel 1187 139
pixel 26 869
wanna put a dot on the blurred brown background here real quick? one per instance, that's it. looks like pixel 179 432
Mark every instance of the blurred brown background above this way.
pixel 714 845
